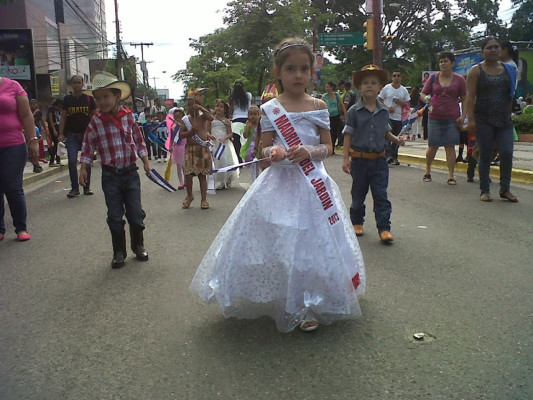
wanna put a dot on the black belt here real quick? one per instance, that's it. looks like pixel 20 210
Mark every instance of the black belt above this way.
pixel 120 171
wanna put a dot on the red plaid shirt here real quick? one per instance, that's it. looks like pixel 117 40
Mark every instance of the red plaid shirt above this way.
pixel 117 139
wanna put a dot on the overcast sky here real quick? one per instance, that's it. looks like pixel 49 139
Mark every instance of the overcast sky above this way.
pixel 169 24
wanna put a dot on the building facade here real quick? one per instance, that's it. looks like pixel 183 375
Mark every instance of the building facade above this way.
pixel 66 35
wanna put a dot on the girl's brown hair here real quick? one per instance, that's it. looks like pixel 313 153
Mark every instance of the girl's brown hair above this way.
pixel 226 106
pixel 255 108
pixel 285 48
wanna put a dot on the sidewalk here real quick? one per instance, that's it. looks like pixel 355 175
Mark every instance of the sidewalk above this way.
pixel 30 177
pixel 413 153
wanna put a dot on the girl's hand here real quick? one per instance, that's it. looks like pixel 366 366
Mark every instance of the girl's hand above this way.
pixel 254 153
pixel 297 154
pixel 278 154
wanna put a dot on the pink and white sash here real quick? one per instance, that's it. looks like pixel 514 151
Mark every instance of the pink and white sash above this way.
pixel 316 175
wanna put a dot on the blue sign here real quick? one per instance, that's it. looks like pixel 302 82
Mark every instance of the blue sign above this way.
pixel 464 62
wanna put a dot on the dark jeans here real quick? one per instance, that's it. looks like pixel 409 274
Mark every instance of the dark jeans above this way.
pixel 391 150
pixel 149 147
pixel 373 174
pixel 12 162
pixel 340 138
pixel 425 120
pixel 504 138
pixel 335 127
pixel 52 148
pixel 160 152
pixel 123 196
pixel 73 143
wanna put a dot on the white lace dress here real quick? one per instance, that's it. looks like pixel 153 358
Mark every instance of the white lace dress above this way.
pixel 276 254
pixel 229 157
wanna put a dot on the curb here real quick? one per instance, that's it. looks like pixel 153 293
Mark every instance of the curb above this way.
pixel 518 175
pixel 32 177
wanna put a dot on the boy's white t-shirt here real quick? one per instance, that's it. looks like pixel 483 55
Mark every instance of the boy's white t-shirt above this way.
pixel 239 112
pixel 388 94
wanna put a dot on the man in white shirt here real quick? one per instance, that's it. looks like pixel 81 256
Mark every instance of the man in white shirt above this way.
pixel 395 97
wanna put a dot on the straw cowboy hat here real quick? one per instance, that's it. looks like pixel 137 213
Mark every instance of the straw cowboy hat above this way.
pixel 370 69
pixel 105 80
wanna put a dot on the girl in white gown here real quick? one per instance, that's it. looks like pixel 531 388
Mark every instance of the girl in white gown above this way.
pixel 276 254
pixel 221 129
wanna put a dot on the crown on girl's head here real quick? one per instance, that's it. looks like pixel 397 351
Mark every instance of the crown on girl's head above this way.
pixel 287 45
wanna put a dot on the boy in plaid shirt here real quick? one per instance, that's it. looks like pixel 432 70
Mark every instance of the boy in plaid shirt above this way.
pixel 119 142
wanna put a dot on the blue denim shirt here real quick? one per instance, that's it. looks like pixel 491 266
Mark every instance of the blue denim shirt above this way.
pixel 367 129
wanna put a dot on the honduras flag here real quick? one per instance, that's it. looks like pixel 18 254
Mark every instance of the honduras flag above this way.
pixel 220 150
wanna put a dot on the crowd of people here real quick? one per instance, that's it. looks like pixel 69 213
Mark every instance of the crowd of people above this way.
pixel 292 200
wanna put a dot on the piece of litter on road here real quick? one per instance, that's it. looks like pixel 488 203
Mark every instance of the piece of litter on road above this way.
pixel 422 226
pixel 57 181
pixel 419 336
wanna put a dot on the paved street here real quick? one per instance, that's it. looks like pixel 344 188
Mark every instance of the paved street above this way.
pixel 459 271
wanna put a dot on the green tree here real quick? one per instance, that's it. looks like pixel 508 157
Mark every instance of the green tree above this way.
pixel 243 50
pixel 522 21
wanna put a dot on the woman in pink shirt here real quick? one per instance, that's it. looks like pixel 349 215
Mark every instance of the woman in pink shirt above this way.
pixel 442 92
pixel 15 114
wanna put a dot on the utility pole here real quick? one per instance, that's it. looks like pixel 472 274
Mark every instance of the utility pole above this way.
pixel 314 34
pixel 118 63
pixel 144 70
pixel 378 47
pixel 430 53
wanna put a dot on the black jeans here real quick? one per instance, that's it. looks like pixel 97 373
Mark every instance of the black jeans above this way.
pixel 123 196
pixel 335 126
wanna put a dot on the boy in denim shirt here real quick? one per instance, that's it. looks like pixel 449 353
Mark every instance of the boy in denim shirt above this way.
pixel 367 130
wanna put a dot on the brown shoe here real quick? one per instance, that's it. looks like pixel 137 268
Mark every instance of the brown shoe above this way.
pixel 485 197
pixel 386 237
pixel 509 196
pixel 358 229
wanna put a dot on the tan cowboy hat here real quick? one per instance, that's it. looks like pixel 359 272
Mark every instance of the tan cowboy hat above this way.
pixel 370 69
pixel 105 80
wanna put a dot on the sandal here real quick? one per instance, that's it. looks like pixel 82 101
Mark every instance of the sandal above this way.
pixel 452 182
pixel 205 205
pixel 308 324
pixel 187 202
pixel 427 178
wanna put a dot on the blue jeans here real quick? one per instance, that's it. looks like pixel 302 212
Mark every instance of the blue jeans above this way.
pixel 73 143
pixel 487 135
pixel 391 149
pixel 12 162
pixel 373 174
pixel 123 196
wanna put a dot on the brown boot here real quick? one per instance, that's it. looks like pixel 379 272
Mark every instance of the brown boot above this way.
pixel 386 237
pixel 358 229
